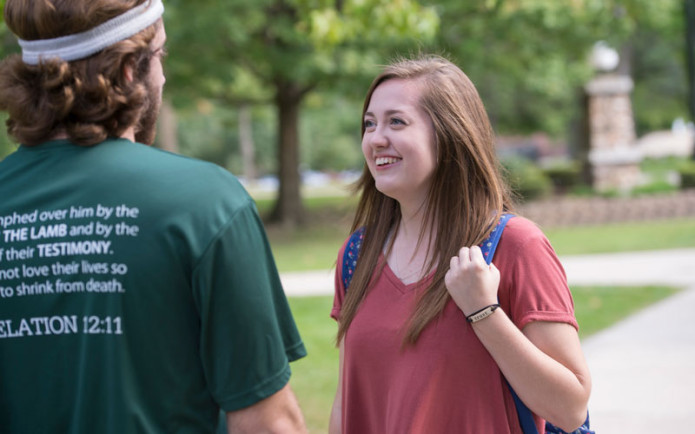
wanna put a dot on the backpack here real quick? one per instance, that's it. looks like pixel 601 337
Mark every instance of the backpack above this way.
pixel 488 247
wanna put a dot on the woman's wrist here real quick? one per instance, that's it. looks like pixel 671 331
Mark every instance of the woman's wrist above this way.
pixel 482 313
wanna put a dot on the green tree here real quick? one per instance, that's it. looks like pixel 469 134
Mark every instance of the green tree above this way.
pixel 689 9
pixel 280 51
pixel 8 45
pixel 528 58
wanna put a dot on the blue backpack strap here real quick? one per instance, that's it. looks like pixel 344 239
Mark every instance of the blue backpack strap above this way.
pixel 584 429
pixel 352 251
pixel 528 425
pixel 488 247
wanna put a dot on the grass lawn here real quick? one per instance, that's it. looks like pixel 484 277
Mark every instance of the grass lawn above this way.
pixel 623 237
pixel 314 378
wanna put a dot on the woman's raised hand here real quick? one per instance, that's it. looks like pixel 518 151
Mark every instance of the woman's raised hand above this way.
pixel 470 281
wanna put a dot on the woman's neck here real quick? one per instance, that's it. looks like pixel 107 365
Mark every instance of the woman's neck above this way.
pixel 409 257
pixel 413 220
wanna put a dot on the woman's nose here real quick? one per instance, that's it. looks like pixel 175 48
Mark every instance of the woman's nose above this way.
pixel 378 139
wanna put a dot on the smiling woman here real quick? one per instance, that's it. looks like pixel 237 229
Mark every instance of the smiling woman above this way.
pixel 431 191
pixel 398 142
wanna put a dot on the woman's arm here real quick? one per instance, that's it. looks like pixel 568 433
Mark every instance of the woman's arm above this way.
pixel 335 423
pixel 544 364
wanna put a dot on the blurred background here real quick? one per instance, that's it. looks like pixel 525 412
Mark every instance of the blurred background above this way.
pixel 587 97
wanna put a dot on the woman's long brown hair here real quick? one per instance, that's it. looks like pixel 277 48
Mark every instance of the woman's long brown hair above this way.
pixel 467 195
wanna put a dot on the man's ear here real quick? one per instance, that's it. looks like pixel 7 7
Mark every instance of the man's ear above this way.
pixel 128 71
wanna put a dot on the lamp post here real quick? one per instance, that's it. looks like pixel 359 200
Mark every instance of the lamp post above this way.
pixel 611 161
pixel 604 58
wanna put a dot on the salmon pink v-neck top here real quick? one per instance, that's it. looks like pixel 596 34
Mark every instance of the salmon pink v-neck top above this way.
pixel 447 382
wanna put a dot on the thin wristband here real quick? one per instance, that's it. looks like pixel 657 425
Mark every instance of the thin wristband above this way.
pixel 482 313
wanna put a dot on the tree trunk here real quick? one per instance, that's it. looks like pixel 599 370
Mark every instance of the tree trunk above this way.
pixel 289 210
pixel 246 142
pixel 167 125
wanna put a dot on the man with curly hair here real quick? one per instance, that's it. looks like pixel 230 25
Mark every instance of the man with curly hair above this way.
pixel 138 293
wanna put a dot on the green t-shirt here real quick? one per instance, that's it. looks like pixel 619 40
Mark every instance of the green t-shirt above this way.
pixel 138 293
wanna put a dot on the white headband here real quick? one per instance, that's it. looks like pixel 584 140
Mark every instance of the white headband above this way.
pixel 81 45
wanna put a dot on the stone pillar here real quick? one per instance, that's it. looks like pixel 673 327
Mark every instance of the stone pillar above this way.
pixel 612 160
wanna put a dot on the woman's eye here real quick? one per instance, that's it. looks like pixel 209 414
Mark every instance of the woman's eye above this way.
pixel 369 123
pixel 397 121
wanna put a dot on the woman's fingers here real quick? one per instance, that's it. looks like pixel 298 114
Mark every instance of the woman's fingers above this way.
pixel 476 254
pixel 454 262
pixel 471 257
pixel 470 281
pixel 464 255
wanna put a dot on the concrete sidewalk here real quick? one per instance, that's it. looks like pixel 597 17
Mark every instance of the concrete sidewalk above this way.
pixel 643 368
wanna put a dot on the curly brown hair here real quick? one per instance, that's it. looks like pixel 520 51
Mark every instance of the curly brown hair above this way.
pixel 88 99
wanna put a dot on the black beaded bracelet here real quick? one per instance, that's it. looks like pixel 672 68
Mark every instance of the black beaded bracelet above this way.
pixel 482 313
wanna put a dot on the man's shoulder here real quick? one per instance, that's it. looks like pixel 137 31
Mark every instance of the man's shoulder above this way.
pixel 176 167
pixel 177 177
pixel 139 150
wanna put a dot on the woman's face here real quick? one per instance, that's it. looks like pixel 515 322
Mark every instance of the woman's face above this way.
pixel 398 142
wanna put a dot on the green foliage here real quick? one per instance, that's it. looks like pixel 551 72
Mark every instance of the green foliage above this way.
pixel 282 50
pixel 252 46
pixel 662 172
pixel 7 146
pixel 564 177
pixel 662 166
pixel 8 45
pixel 652 43
pixel 526 179
pixel 529 59
pixel 210 131
pixel 655 187
pixel 582 190
pixel 370 21
pixel 330 134
pixel 526 58
pixel 687 175
pixel 660 79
